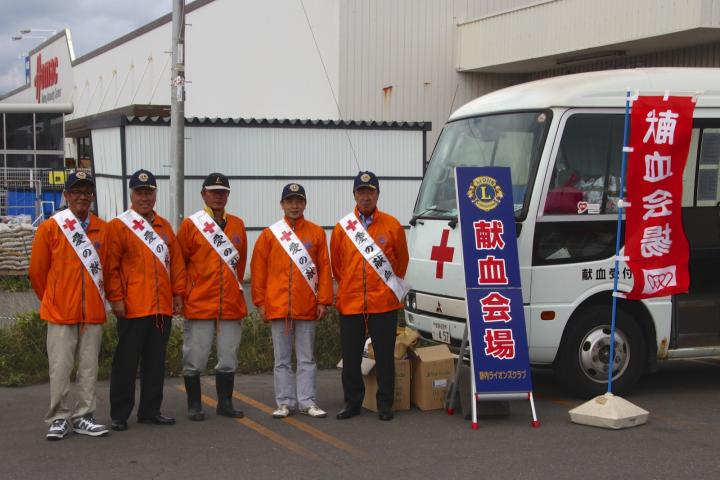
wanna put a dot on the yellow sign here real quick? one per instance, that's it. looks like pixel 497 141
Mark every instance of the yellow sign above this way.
pixel 56 177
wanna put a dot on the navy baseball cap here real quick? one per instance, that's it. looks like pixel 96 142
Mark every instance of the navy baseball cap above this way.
pixel 79 177
pixel 143 178
pixel 293 190
pixel 216 181
pixel 366 179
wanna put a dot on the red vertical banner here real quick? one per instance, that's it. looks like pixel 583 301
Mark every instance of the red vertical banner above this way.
pixel 655 242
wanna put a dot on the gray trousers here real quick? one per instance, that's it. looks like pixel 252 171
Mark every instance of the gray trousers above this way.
pixel 289 390
pixel 197 340
pixel 64 344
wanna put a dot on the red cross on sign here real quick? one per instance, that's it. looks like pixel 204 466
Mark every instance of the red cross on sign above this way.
pixel 138 225
pixel 442 253
pixel 209 227
pixel 285 237
pixel 351 225
pixel 69 224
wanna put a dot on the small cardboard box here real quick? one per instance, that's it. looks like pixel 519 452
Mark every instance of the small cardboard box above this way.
pixel 402 387
pixel 432 373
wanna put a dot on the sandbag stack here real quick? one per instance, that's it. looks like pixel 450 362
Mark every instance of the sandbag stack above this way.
pixel 15 245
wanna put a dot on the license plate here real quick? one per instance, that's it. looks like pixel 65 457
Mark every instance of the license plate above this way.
pixel 441 332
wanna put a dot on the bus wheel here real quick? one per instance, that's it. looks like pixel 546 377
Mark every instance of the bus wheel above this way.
pixel 584 355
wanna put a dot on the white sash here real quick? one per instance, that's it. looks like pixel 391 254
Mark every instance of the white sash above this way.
pixel 144 231
pixel 373 254
pixel 217 239
pixel 73 231
pixel 295 249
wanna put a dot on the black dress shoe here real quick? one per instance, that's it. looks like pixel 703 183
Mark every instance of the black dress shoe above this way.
pixel 119 425
pixel 385 414
pixel 158 420
pixel 347 412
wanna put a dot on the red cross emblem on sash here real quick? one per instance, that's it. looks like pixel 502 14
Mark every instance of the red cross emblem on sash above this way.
pixel 351 225
pixel 209 227
pixel 70 224
pixel 138 225
pixel 285 236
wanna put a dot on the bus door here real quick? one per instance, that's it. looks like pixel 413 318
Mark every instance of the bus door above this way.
pixel 696 319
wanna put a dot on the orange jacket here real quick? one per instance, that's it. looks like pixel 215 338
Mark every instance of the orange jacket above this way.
pixel 212 293
pixel 137 277
pixel 278 284
pixel 360 288
pixel 66 290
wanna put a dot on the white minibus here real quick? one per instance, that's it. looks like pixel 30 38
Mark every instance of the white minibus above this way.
pixel 562 138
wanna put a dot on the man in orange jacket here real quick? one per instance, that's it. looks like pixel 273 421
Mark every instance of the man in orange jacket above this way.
pixel 214 246
pixel 292 287
pixel 66 272
pixel 145 285
pixel 369 258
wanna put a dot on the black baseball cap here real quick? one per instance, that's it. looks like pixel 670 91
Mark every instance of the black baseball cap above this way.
pixel 366 179
pixel 143 178
pixel 293 190
pixel 216 181
pixel 79 177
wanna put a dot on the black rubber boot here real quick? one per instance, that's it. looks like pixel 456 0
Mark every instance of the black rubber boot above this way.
pixel 192 388
pixel 225 384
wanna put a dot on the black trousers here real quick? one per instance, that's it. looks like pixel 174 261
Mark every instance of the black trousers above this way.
pixel 382 328
pixel 141 341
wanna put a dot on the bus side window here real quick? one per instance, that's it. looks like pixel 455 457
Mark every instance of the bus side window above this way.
pixel 586 174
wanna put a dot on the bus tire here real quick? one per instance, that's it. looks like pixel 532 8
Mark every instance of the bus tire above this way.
pixel 582 364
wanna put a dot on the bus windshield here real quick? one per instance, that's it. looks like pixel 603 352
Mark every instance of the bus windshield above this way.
pixel 505 140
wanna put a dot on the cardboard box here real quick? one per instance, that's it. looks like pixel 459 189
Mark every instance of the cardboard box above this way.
pixel 432 374
pixel 402 387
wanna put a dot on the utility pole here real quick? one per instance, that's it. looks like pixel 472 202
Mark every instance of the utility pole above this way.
pixel 177 116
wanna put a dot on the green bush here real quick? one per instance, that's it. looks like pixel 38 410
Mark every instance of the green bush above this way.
pixel 20 283
pixel 23 351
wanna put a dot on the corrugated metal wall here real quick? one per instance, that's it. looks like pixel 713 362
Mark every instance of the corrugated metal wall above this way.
pixel 397 59
pixel 700 56
pixel 263 160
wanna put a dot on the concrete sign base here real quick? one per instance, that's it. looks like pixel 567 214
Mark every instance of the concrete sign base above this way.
pixel 609 411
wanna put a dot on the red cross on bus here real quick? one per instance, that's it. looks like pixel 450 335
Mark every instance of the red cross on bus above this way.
pixel 442 253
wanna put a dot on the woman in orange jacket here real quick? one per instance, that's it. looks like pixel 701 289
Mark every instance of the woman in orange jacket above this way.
pixel 214 246
pixel 146 283
pixel 66 272
pixel 370 290
pixel 292 287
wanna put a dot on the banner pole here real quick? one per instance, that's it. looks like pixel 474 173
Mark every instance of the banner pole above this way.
pixel 625 150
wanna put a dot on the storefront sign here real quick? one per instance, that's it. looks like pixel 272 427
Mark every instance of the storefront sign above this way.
pixel 655 242
pixel 46 76
pixel 492 280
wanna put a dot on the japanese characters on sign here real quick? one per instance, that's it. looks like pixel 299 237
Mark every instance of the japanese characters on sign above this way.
pixel 655 243
pixel 492 280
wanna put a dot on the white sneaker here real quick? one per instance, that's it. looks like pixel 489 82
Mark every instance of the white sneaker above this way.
pixel 281 412
pixel 58 430
pixel 315 412
pixel 88 426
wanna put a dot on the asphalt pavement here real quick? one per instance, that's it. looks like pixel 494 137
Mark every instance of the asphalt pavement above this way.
pixel 680 440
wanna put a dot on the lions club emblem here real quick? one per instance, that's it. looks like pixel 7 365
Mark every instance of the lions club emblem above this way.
pixel 365 177
pixel 143 177
pixel 294 187
pixel 485 193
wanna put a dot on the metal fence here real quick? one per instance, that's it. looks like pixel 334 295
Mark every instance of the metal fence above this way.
pixel 30 195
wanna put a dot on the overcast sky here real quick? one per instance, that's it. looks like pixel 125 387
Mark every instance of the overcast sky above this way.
pixel 92 23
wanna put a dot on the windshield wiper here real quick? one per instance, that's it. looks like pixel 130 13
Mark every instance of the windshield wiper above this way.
pixel 435 209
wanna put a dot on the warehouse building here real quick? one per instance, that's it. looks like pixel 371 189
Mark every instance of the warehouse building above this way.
pixel 378 77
